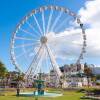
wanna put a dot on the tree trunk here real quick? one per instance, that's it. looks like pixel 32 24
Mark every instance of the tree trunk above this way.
pixel 88 81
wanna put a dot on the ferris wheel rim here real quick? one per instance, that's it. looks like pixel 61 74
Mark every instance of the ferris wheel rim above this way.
pixel 66 10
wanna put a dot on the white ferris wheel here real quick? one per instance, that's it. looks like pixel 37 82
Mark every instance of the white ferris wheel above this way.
pixel 47 38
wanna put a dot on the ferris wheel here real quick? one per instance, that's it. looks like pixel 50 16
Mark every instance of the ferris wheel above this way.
pixel 46 38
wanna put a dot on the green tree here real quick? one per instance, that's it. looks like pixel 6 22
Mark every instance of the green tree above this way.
pixel 98 77
pixel 3 70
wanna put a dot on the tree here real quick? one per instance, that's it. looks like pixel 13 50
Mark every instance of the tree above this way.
pixel 20 78
pixel 3 70
pixel 98 77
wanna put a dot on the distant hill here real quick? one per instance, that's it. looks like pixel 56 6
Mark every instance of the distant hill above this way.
pixel 96 70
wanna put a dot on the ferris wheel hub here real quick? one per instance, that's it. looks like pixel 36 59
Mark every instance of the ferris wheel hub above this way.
pixel 43 39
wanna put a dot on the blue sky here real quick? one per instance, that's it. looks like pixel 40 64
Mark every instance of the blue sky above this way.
pixel 12 11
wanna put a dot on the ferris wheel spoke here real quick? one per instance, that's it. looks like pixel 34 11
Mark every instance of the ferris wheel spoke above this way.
pixel 23 38
pixel 62 23
pixel 47 63
pixel 43 60
pixel 38 25
pixel 24 45
pixel 43 22
pixel 46 59
pixel 24 53
pixel 49 21
pixel 25 31
pixel 55 22
pixel 34 30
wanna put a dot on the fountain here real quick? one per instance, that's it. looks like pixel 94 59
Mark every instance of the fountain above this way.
pixel 40 89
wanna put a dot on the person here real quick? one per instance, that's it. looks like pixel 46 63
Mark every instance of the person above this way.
pixel 18 91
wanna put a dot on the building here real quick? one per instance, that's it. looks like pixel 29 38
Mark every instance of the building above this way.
pixel 73 76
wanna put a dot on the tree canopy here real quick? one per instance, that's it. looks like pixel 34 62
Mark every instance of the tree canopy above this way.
pixel 3 70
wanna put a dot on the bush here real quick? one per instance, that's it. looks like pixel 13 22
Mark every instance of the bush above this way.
pixel 96 91
pixel 97 83
pixel 81 90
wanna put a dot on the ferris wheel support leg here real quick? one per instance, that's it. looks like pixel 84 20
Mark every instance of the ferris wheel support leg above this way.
pixel 33 62
pixel 53 61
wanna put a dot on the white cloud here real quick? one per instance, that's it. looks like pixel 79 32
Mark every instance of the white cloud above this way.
pixel 90 15
pixel 66 45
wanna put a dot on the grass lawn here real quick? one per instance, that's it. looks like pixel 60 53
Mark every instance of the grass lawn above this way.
pixel 71 95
